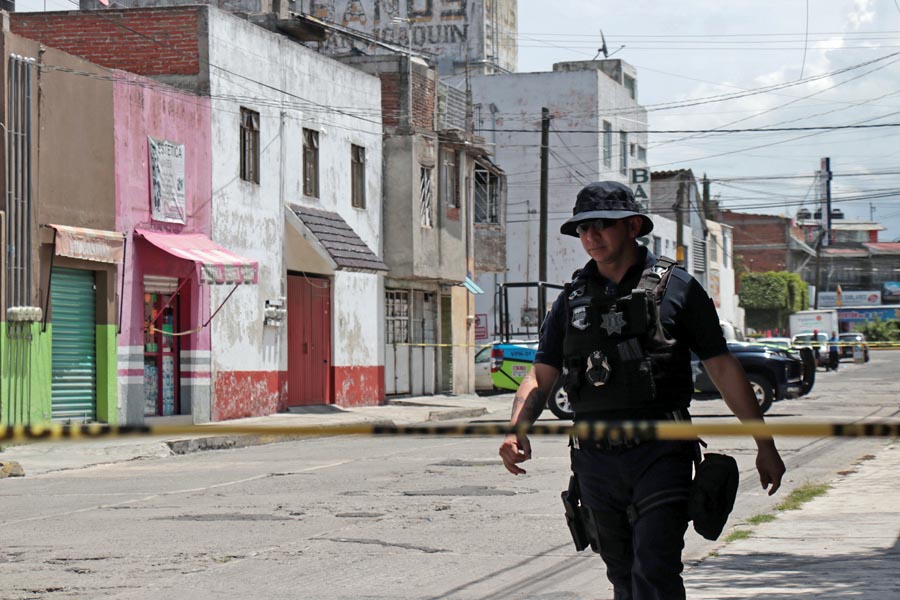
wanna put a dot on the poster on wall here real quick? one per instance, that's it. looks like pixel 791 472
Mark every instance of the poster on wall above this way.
pixel 167 181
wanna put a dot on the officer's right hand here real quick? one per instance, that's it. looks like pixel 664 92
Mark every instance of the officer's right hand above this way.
pixel 515 449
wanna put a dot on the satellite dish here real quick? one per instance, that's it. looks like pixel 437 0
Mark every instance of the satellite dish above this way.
pixel 602 49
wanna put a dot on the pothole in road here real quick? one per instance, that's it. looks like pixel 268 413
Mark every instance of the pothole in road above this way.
pixel 226 517
pixel 468 490
pixel 466 463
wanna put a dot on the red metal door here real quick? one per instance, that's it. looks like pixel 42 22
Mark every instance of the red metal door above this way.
pixel 309 341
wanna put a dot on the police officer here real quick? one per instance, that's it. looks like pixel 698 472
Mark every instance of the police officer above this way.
pixel 625 354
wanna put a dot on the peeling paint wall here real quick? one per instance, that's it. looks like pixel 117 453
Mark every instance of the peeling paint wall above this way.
pixel 480 32
pixel 249 359
pixel 580 96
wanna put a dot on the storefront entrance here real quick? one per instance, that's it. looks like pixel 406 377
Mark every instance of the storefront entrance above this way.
pixel 161 348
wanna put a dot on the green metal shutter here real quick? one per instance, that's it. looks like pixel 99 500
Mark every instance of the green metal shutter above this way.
pixel 74 377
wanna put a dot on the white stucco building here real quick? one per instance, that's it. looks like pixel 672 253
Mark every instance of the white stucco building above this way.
pixel 597 132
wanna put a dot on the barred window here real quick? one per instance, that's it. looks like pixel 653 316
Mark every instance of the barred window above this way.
pixel 396 310
pixel 425 196
pixel 249 145
pixel 487 196
pixel 310 163
pixel 357 176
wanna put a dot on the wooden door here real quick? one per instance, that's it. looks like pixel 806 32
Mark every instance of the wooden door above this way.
pixel 309 340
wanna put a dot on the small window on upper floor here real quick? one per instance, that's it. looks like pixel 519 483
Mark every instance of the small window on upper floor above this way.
pixel 448 183
pixel 358 176
pixel 623 153
pixel 249 145
pixel 642 154
pixel 631 85
pixel 310 163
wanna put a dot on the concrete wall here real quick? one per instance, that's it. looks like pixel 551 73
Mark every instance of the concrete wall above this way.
pixel 721 286
pixel 145 108
pixel 248 359
pixel 580 97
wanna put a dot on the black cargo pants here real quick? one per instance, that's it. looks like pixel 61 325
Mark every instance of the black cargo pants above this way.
pixel 641 548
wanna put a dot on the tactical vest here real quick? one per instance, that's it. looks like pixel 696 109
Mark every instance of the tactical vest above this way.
pixel 617 356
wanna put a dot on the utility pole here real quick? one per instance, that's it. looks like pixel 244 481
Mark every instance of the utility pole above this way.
pixel 679 222
pixel 826 168
pixel 707 209
pixel 542 232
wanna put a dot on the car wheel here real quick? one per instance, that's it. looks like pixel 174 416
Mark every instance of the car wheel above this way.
pixel 558 403
pixel 763 391
pixel 809 371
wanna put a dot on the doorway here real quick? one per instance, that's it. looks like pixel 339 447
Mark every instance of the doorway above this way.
pixel 309 340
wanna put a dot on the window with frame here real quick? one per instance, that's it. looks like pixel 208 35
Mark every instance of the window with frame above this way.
pixel 642 154
pixel 487 196
pixel 713 248
pixel 357 176
pixel 630 84
pixel 449 178
pixel 425 196
pixel 623 153
pixel 607 143
pixel 310 163
pixel 396 312
pixel 249 145
pixel 657 245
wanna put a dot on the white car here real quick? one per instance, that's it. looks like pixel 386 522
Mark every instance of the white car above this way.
pixel 483 381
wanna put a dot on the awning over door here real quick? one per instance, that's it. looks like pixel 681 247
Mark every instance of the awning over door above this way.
pixel 89 244
pixel 216 264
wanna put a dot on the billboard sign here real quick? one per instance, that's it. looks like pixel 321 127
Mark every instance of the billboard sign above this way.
pixel 850 298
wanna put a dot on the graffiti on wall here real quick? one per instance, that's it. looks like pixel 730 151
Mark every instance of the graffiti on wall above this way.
pixel 426 25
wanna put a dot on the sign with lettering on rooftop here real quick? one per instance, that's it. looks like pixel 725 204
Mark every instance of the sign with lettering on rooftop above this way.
pixel 639 179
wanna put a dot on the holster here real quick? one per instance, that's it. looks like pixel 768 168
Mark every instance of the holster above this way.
pixel 575 517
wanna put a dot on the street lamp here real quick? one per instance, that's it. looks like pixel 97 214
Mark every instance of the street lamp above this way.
pixel 409 108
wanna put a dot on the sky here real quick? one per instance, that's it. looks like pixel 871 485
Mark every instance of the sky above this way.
pixel 745 64
pixel 752 64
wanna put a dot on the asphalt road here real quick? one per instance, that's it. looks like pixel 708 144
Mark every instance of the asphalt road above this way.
pixel 357 517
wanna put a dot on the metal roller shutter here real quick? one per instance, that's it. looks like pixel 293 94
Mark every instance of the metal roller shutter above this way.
pixel 74 370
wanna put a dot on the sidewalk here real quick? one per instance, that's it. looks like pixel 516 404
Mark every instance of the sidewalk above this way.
pixel 45 457
pixel 843 544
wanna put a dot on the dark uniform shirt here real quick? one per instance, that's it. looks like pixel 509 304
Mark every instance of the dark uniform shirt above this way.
pixel 687 313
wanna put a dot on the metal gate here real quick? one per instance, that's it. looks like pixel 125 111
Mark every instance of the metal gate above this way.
pixel 74 346
pixel 410 340
pixel 309 340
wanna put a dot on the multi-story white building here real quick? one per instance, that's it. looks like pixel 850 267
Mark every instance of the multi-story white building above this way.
pixel 597 132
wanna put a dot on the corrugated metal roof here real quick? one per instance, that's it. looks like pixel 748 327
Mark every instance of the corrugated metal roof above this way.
pixel 883 247
pixel 344 247
pixel 845 252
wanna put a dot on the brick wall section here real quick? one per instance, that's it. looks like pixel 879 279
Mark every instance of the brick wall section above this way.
pixel 423 101
pixel 390 99
pixel 759 242
pixel 394 99
pixel 144 41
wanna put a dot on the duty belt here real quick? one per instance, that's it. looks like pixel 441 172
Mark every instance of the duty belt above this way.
pixel 624 443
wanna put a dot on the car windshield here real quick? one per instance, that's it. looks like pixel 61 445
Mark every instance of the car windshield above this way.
pixel 808 337
pixel 852 337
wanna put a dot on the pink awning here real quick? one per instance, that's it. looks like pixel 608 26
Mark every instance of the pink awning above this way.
pixel 215 263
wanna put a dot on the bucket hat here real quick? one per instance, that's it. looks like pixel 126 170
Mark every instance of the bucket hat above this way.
pixel 605 200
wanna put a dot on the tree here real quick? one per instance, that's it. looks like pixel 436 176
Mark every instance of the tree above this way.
pixel 770 297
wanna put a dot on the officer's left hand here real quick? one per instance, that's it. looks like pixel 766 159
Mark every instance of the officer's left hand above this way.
pixel 515 449
pixel 770 466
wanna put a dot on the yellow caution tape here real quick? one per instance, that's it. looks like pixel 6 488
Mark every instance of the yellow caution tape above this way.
pixel 619 430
